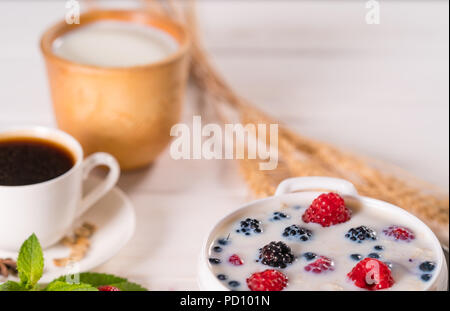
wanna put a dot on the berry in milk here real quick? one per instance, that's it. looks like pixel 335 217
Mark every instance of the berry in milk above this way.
pixel 327 246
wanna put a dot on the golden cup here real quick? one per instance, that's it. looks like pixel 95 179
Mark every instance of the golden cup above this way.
pixel 125 111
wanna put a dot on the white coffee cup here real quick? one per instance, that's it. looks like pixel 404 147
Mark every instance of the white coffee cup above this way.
pixel 49 208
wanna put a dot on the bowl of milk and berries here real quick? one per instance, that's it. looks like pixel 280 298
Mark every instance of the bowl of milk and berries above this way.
pixel 317 233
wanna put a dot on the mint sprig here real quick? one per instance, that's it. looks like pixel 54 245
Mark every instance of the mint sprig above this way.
pixel 12 286
pixel 60 286
pixel 95 279
pixel 30 265
pixel 101 279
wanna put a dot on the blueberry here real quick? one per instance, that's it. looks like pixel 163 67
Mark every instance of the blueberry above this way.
pixel 379 247
pixel 296 207
pixel 222 277
pixel 426 277
pixel 223 242
pixel 356 257
pixel 214 261
pixel 373 255
pixel 309 256
pixel 234 283
pixel 217 249
pixel 388 264
pixel 427 266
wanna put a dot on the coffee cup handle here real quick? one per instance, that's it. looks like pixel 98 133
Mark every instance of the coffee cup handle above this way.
pixel 94 160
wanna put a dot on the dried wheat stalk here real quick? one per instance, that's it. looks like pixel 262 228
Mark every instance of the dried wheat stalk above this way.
pixel 301 156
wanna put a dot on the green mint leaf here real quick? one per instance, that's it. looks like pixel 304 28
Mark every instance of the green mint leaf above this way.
pixel 129 287
pixel 95 279
pixel 60 286
pixel 30 262
pixel 11 286
pixel 100 279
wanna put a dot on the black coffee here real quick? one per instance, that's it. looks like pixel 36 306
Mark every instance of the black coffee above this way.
pixel 28 160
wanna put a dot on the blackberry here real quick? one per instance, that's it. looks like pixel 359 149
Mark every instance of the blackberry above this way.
pixel 356 257
pixel 279 216
pixel 249 226
pixel 360 234
pixel 309 256
pixel 276 254
pixel 298 233
pixel 427 266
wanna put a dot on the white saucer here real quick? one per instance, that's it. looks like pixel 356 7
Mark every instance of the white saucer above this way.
pixel 114 218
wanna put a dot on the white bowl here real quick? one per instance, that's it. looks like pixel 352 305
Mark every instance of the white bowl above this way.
pixel 309 186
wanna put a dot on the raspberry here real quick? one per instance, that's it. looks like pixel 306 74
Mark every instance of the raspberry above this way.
pixel 108 288
pixel 371 274
pixel 320 265
pixel 360 234
pixel 249 226
pixel 268 280
pixel 297 232
pixel 327 209
pixel 276 254
pixel 235 260
pixel 399 233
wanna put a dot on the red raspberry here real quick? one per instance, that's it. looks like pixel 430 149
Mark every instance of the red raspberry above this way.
pixel 320 265
pixel 371 274
pixel 327 209
pixel 108 288
pixel 399 233
pixel 268 280
pixel 235 260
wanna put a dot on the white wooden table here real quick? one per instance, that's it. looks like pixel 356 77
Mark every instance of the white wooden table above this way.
pixel 381 90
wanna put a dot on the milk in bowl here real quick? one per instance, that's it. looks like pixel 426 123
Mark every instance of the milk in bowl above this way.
pixel 323 241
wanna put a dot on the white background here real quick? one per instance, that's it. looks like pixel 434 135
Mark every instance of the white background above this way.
pixel 381 90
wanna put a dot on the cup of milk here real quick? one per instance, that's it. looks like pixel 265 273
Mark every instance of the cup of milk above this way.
pixel 117 81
